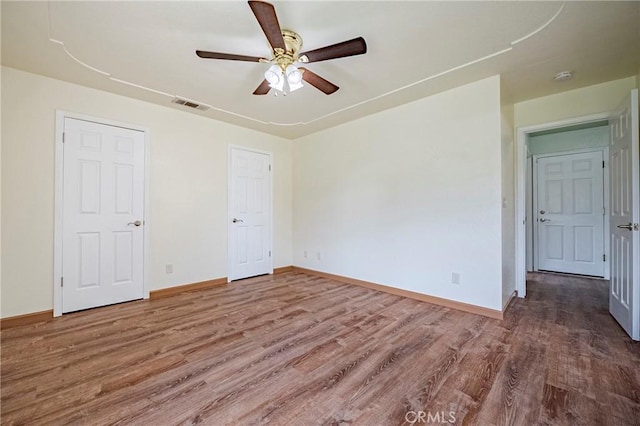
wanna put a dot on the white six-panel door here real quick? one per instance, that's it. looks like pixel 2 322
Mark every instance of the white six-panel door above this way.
pixel 249 214
pixel 103 202
pixel 570 213
pixel 624 291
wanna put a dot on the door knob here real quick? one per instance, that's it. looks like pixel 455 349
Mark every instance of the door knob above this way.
pixel 544 220
pixel 237 220
pixel 628 227
pixel 542 212
pixel 136 223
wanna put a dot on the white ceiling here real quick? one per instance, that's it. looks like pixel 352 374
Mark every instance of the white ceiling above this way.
pixel 146 50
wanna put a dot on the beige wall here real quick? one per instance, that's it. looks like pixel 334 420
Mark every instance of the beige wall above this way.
pixel 508 197
pixel 188 186
pixel 0 191
pixel 604 97
pixel 407 196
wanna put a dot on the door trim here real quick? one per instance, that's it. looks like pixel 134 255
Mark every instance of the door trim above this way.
pixel 229 215
pixel 605 200
pixel 521 194
pixel 58 204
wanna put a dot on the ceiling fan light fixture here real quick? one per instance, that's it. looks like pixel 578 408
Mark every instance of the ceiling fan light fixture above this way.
pixel 274 76
pixel 294 75
pixel 279 86
pixel 294 86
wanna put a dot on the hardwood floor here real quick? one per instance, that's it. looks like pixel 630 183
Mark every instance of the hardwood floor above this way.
pixel 301 350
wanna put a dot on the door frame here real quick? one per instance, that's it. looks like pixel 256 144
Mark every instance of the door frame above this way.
pixel 230 215
pixel 58 201
pixel 521 195
pixel 605 201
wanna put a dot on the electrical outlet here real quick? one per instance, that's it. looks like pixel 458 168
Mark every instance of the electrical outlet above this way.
pixel 168 268
pixel 305 254
pixel 455 278
pixel 318 256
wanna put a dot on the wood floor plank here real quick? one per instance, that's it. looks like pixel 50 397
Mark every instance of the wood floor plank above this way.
pixel 298 349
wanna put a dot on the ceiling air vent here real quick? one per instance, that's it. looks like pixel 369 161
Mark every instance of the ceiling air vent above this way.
pixel 189 104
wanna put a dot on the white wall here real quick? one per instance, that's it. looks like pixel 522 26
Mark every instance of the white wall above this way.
pixel 188 217
pixel 508 198
pixel 589 100
pixel 407 196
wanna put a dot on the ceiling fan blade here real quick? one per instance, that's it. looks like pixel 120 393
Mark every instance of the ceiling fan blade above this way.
pixel 229 56
pixel 318 82
pixel 263 89
pixel 357 46
pixel 266 15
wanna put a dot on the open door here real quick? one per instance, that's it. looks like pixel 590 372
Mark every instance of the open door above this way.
pixel 624 156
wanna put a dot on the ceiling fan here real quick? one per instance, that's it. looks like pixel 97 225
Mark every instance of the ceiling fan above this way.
pixel 283 75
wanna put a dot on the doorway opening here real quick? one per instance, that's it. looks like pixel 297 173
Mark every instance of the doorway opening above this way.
pixel 623 212
pixel 567 185
pixel 556 137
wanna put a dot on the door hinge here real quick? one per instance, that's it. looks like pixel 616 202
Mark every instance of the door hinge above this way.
pixel 604 257
pixel 269 167
pixel 63 136
pixel 61 281
pixel 269 253
pixel 603 164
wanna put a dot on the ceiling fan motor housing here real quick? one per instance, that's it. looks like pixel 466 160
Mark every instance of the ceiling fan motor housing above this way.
pixel 293 42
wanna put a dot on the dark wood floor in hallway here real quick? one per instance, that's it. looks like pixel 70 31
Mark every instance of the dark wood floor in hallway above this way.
pixel 301 350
